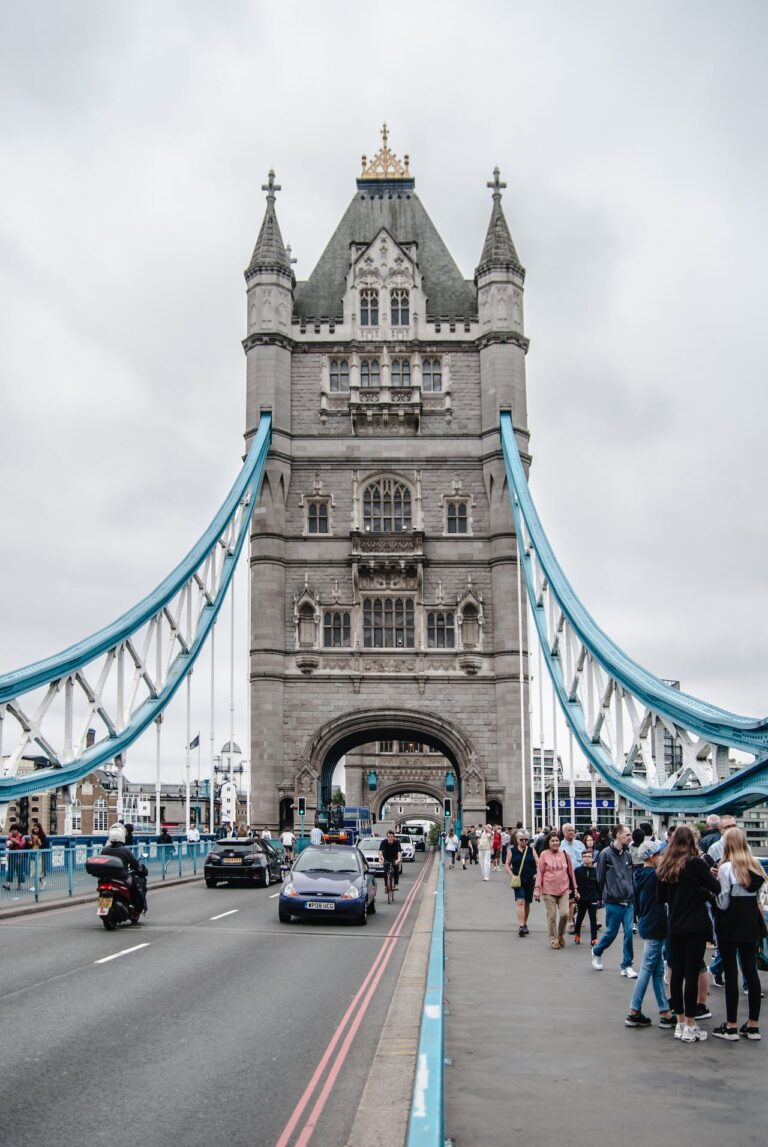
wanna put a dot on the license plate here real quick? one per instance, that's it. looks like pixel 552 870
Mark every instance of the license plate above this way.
pixel 325 905
pixel 233 860
pixel 104 905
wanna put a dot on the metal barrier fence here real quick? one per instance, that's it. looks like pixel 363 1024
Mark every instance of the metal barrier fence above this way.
pixel 37 874
pixel 426 1126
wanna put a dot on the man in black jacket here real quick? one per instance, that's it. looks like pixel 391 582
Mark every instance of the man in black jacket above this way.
pixel 614 878
pixel 136 874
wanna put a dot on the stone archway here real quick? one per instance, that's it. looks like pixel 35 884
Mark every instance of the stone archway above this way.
pixel 343 734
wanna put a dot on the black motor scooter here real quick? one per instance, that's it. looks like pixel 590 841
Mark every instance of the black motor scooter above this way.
pixel 114 905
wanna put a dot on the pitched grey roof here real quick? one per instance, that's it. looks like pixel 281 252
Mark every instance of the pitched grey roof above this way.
pixel 498 249
pixel 402 213
pixel 269 252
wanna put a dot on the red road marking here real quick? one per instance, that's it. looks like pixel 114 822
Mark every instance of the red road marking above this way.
pixel 375 973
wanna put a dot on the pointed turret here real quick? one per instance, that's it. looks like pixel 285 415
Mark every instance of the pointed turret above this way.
pixel 269 254
pixel 498 249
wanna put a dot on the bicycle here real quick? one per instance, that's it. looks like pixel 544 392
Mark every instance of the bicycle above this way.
pixel 389 880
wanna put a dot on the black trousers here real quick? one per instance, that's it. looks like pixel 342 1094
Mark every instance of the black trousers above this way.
pixel 747 953
pixel 581 912
pixel 686 955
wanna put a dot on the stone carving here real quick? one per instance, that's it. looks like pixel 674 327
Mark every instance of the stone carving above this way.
pixel 517 310
pixel 387 665
pixel 340 663
pixel 266 307
pixel 386 545
pixel 502 308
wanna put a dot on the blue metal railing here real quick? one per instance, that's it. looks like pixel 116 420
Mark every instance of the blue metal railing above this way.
pixel 40 874
pixel 427 1120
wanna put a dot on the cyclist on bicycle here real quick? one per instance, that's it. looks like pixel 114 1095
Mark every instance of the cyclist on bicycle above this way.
pixel 390 852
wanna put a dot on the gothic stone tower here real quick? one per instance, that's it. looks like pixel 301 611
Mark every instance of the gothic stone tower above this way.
pixel 383 566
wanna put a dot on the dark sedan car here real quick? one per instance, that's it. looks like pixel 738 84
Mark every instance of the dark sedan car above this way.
pixel 328 880
pixel 242 859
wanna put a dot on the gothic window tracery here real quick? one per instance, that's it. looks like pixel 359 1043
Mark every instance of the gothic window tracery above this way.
pixel 317 516
pixel 370 372
pixel 441 629
pixel 387 507
pixel 388 622
pixel 369 307
pixel 399 299
pixel 339 374
pixel 432 375
pixel 336 629
pixel 401 372
pixel 456 516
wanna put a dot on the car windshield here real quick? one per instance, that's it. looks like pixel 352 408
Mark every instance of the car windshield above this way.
pixel 370 844
pixel 314 860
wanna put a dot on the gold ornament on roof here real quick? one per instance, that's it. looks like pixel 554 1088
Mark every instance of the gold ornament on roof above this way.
pixel 385 165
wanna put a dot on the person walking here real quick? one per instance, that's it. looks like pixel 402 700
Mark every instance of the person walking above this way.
pixel 484 849
pixel 473 851
pixel 614 878
pixel 506 840
pixel 451 847
pixel 555 883
pixel 571 844
pixel 687 887
pixel 15 847
pixel 521 865
pixel 496 847
pixel 740 928
pixel 464 850
pixel 712 834
pixel 589 897
pixel 652 927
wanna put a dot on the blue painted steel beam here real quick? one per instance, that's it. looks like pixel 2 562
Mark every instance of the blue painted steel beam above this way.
pixel 748 787
pixel 70 660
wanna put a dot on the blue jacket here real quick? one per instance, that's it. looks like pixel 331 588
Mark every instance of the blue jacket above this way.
pixel 651 916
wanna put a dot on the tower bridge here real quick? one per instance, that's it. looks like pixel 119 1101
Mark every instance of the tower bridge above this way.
pixel 395 558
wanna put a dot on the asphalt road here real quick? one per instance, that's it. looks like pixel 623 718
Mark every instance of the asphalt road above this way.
pixel 209 1033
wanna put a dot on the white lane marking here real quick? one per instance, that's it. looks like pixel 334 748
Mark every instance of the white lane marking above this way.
pixel 274 895
pixel 221 915
pixel 125 951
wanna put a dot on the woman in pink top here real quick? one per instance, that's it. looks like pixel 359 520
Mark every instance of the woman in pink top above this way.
pixel 554 881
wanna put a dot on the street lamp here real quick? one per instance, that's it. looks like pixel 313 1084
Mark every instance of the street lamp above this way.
pixel 373 781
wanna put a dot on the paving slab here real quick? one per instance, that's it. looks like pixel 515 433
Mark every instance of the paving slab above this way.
pixel 541 1055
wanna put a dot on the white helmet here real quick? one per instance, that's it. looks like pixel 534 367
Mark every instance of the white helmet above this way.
pixel 117 834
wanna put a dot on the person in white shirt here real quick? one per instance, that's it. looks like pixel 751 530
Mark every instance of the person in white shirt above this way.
pixel 287 839
pixel 266 834
pixel 316 835
pixel 193 835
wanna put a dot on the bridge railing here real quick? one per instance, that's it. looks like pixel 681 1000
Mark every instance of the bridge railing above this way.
pixel 426 1126
pixel 39 874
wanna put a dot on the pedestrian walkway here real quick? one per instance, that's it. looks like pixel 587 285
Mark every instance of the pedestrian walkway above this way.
pixel 540 1054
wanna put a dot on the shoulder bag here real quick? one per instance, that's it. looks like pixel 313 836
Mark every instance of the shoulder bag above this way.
pixel 516 880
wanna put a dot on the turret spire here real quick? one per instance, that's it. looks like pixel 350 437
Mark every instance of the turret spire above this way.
pixel 498 249
pixel 269 254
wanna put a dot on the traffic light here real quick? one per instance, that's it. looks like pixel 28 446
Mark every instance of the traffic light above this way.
pixel 447 807
pixel 302 806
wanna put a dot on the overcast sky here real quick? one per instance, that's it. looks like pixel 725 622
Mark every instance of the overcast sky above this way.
pixel 134 139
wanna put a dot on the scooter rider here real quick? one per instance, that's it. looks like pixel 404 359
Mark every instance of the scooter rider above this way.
pixel 137 873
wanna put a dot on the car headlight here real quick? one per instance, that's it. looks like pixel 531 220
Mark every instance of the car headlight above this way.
pixel 289 889
pixel 352 892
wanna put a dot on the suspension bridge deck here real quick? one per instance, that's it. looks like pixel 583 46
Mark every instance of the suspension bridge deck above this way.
pixel 539 1049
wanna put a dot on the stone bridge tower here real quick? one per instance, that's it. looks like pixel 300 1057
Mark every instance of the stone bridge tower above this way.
pixel 383 567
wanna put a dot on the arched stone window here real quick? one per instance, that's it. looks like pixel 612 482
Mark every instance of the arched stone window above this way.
pixel 100 815
pixel 388 623
pixel 336 629
pixel 441 629
pixel 401 372
pixel 387 507
pixel 306 626
pixel 370 372
pixel 77 816
pixel 369 307
pixel 470 627
pixel 432 374
pixel 339 374
pixel 456 516
pixel 400 307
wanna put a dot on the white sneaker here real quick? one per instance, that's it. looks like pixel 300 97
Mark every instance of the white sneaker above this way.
pixel 597 962
pixel 693 1035
pixel 629 972
pixel 679 1031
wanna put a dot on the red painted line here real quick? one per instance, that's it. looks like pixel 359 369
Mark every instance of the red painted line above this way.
pixel 390 940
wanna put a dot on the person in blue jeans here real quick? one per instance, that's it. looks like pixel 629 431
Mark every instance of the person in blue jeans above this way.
pixel 614 878
pixel 652 927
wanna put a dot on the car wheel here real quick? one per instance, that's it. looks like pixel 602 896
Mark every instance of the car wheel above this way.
pixel 283 917
pixel 266 878
pixel 372 907
pixel 210 883
pixel 363 920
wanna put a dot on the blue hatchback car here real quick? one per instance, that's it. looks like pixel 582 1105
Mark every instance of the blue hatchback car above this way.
pixel 330 880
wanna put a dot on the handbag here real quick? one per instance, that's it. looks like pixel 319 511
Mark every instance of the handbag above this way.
pixel 516 880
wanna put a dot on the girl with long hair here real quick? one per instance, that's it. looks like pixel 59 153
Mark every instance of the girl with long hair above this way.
pixel 686 885
pixel 740 928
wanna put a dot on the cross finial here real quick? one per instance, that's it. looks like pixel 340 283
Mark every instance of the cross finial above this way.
pixel 384 135
pixel 288 250
pixel 270 186
pixel 497 183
